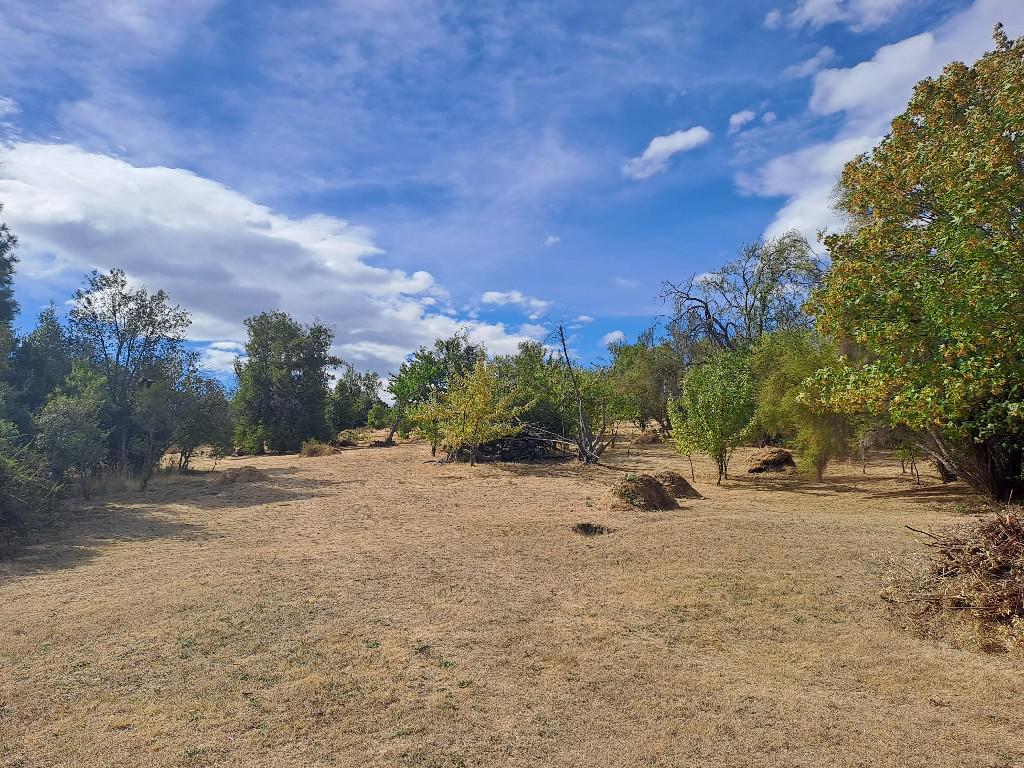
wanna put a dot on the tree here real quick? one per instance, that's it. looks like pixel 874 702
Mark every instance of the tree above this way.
pixel 783 365
pixel 760 291
pixel 539 379
pixel 354 396
pixel 8 306
pixel 132 337
pixel 927 282
pixel 476 408
pixel 645 376
pixel 427 374
pixel 41 361
pixel 204 418
pixel 283 383
pixel 71 434
pixel 714 408
pixel 591 412
pixel 25 487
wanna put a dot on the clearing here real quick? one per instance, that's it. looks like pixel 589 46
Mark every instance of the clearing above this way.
pixel 370 609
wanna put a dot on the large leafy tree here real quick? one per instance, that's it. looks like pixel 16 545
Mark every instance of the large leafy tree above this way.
pixel 41 361
pixel 283 383
pixel 760 291
pixel 354 396
pixel 134 338
pixel 714 408
pixel 644 377
pixel 927 281
pixel 8 306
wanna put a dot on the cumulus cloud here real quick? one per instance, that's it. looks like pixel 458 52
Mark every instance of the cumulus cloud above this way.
pixel 772 19
pixel 808 67
pixel 738 119
pixel 859 15
pixel 655 158
pixel 534 307
pixel 583 319
pixel 219 254
pixel 769 117
pixel 867 96
pixel 613 337
pixel 219 356
pixel 552 240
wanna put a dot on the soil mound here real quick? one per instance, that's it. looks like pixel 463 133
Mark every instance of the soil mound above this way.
pixel 644 492
pixel 771 460
pixel 240 475
pixel 677 485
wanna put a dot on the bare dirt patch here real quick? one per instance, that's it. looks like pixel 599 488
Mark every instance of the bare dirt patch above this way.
pixel 367 609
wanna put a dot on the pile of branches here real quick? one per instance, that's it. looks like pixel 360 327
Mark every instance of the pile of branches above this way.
pixel 530 444
pixel 975 572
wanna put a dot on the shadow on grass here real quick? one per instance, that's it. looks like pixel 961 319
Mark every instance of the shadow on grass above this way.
pixel 82 530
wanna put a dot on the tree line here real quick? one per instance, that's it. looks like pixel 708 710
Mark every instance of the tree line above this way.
pixel 910 333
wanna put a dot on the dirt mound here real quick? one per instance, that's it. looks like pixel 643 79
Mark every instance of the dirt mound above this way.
pixel 677 485
pixel 771 460
pixel 644 492
pixel 245 474
pixel 591 529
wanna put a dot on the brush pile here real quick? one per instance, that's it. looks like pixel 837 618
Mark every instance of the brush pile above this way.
pixel 772 460
pixel 244 474
pixel 976 573
pixel 677 485
pixel 643 492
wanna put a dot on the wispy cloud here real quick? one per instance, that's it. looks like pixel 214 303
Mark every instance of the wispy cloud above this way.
pixel 534 307
pixel 810 66
pixel 738 119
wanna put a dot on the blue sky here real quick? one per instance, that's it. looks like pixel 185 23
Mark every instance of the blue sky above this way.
pixel 405 168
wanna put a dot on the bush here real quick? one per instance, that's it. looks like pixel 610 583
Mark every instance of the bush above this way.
pixel 312 448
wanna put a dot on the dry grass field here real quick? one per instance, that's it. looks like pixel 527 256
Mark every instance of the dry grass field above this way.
pixel 371 609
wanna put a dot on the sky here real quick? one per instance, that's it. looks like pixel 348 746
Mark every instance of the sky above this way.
pixel 406 169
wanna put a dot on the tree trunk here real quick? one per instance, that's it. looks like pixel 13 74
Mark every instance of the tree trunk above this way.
pixel 986 466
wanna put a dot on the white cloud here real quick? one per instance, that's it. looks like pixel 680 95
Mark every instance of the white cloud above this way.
pixel 769 117
pixel 533 330
pixel 772 19
pixel 623 282
pixel 8 106
pixel 583 319
pixel 218 253
pixel 739 119
pixel 868 96
pixel 534 307
pixel 551 240
pixel 655 158
pixel 808 67
pixel 859 15
pixel 219 356
pixel 613 337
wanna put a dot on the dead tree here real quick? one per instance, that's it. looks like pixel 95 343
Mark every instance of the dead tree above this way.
pixel 589 446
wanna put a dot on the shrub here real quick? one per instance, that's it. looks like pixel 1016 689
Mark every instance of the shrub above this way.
pixel 312 448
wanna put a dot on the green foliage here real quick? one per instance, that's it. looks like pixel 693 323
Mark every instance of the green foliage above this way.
pixel 41 361
pixel 539 380
pixel 477 407
pixel 928 278
pixel 761 291
pixel 355 395
pixel 70 431
pixel 25 487
pixel 282 383
pixel 427 374
pixel 380 415
pixel 714 408
pixel 783 365
pixel 644 378
pixel 203 418
pixel 8 306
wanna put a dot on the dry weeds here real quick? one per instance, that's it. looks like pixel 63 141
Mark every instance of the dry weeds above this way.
pixel 677 485
pixel 368 609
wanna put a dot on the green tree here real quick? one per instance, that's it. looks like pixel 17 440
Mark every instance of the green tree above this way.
pixel 427 374
pixel 204 418
pixel 476 408
pixel 783 365
pixel 760 291
pixel 133 337
pixel 714 408
pixel 70 431
pixel 8 306
pixel 645 377
pixel 927 282
pixel 42 360
pixel 352 399
pixel 25 486
pixel 283 383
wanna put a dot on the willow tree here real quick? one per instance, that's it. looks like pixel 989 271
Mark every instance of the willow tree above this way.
pixel 927 280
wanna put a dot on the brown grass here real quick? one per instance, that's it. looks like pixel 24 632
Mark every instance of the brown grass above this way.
pixel 369 609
